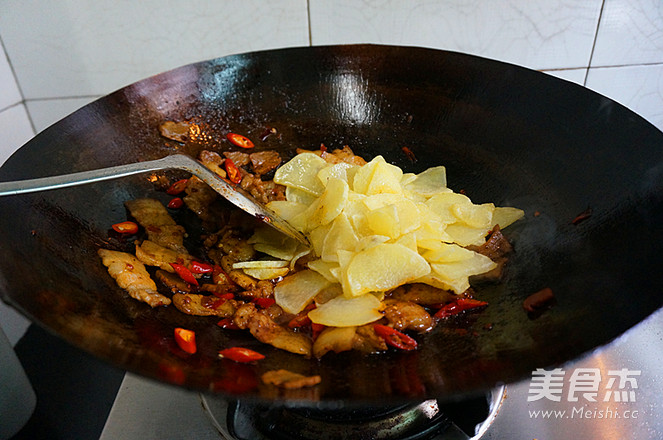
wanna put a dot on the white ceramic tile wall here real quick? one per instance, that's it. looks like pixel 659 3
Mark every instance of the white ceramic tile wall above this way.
pixel 9 94
pixel 541 34
pixel 631 32
pixel 81 48
pixel 66 53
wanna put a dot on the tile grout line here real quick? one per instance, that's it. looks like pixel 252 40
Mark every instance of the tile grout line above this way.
pixel 596 36
pixel 308 18
pixel 18 86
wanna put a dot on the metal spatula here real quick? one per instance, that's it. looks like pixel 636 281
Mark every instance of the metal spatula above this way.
pixel 175 161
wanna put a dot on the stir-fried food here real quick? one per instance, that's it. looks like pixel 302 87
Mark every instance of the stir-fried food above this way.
pixel 391 253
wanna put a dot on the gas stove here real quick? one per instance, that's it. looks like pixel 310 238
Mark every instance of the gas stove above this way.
pixel 611 393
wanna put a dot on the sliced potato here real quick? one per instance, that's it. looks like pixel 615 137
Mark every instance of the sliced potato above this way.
pixel 443 203
pixel 266 273
pixel 428 183
pixel 448 253
pixel 292 212
pixel 347 312
pixel 329 205
pixel 342 170
pixel 301 172
pixel 274 243
pixel 474 216
pixel 384 221
pixel 465 235
pixel 383 267
pixel 297 290
pixel 505 216
pixel 261 264
pixel 341 236
pixel 324 268
pixel 455 274
pixel 377 177
pixel 293 194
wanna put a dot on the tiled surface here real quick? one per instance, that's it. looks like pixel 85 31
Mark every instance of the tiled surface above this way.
pixel 82 48
pixel 9 94
pixel 573 75
pixel 541 34
pixel 640 88
pixel 45 112
pixel 631 32
pixel 15 128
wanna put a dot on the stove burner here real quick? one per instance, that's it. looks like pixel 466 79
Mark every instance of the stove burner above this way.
pixel 241 420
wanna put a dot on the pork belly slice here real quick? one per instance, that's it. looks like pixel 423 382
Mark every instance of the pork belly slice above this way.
pixel 160 226
pixel 153 254
pixel 130 274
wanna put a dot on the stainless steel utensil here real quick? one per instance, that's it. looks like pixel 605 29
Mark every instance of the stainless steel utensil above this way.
pixel 175 161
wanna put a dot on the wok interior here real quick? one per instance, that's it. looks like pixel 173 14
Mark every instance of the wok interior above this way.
pixel 505 134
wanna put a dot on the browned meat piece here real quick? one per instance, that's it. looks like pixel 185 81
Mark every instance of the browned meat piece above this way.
pixel 152 254
pixel 406 315
pixel 264 192
pixel 173 282
pixel 497 248
pixel 264 329
pixel 344 154
pixel 176 131
pixel 240 159
pixel 539 302
pixel 422 294
pixel 367 340
pixel 264 161
pixel 160 226
pixel 336 339
pixel 213 161
pixel 204 305
pixel 200 199
pixel 130 274
pixel 236 248
pixel 244 281
pixel 243 315
pixel 289 380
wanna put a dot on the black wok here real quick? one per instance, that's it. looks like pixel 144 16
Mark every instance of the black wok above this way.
pixel 506 134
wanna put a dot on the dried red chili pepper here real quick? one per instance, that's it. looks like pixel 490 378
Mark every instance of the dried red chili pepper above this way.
pixel 316 329
pixel 228 324
pixel 459 305
pixel 299 321
pixel 233 172
pixel 302 319
pixel 395 338
pixel 263 302
pixel 219 276
pixel 198 267
pixel 186 339
pixel 177 187
pixel 184 273
pixel 587 213
pixel 239 140
pixel 176 203
pixel 240 354
pixel 410 155
pixel 225 296
pixel 125 227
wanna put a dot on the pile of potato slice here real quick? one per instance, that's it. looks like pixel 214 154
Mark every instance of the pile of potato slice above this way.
pixel 372 228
